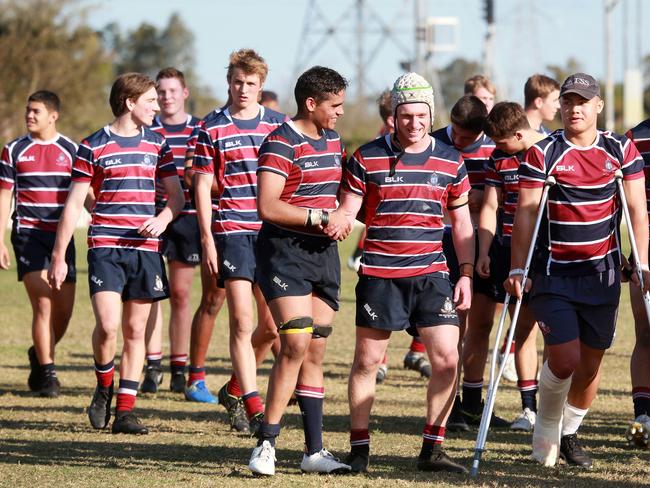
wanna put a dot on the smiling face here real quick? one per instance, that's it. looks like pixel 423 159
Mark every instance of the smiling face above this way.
pixel 38 119
pixel 171 96
pixel 144 109
pixel 244 89
pixel 579 115
pixel 326 113
pixel 412 122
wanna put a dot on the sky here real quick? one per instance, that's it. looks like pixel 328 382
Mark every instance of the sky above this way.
pixel 530 35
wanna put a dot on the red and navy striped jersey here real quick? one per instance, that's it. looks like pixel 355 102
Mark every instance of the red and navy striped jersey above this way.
pixel 177 136
pixel 228 148
pixel 39 172
pixel 640 135
pixel 579 232
pixel 502 173
pixel 122 172
pixel 312 168
pixel 404 211
pixel 476 155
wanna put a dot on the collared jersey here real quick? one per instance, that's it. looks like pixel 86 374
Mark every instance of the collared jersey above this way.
pixel 579 231
pixel 404 211
pixel 228 148
pixel 177 136
pixel 640 135
pixel 39 172
pixel 476 155
pixel 122 172
pixel 502 173
pixel 312 168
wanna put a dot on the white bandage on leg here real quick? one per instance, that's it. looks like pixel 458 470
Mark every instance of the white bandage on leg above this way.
pixel 572 419
pixel 546 435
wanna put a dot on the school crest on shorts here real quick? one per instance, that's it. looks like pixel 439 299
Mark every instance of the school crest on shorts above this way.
pixel 448 311
pixel 158 284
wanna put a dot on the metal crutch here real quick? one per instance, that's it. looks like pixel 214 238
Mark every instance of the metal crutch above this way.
pixel 630 232
pixel 493 385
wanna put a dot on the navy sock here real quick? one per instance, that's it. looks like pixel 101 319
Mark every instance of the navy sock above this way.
pixel 268 432
pixel 472 391
pixel 310 401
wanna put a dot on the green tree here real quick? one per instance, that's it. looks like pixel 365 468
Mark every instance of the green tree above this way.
pixel 46 44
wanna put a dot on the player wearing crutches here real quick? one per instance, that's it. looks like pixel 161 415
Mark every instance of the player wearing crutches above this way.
pixel 576 285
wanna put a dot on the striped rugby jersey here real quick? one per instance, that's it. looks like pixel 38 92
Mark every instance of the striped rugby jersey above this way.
pixel 39 172
pixel 476 155
pixel 312 168
pixel 122 172
pixel 640 135
pixel 228 148
pixel 502 173
pixel 579 232
pixel 177 136
pixel 403 212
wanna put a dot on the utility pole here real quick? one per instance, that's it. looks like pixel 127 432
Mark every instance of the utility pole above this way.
pixel 361 82
pixel 420 36
pixel 609 65
pixel 488 54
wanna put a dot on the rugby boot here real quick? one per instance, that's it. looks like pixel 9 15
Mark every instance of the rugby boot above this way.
pixel 382 372
pixel 235 408
pixel 456 421
pixel 99 411
pixel 177 383
pixel 50 387
pixel 255 423
pixel 35 377
pixel 323 462
pixel 417 361
pixel 127 423
pixel 262 461
pixel 638 432
pixel 153 377
pixel 473 417
pixel 439 461
pixel 573 453
pixel 358 462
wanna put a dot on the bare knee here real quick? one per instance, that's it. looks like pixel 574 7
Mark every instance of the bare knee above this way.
pixel 444 363
pixel 179 297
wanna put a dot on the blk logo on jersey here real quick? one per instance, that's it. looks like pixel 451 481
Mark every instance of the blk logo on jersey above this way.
pixel 26 159
pixel 113 162
pixel 566 168
pixel 394 179
pixel 311 164
pixel 230 144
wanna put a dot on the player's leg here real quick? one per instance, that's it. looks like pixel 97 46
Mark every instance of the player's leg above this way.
pixel 266 333
pixel 153 374
pixel 639 430
pixel 526 363
pixel 181 276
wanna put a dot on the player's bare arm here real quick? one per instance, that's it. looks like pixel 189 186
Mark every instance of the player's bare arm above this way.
pixel 5 206
pixel 636 201
pixel 487 228
pixel 202 188
pixel 463 236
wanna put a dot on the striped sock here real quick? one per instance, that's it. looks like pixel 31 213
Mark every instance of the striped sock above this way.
pixel 417 346
pixel 155 359
pixel 360 441
pixel 528 392
pixel 641 400
pixel 177 363
pixel 310 401
pixel 472 391
pixel 126 393
pixel 196 374
pixel 104 373
pixel 253 404
pixel 233 388
pixel 432 435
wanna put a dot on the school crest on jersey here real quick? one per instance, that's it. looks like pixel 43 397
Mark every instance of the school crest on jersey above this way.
pixel 337 160
pixel 433 180
pixel 609 165
pixel 61 160
pixel 147 160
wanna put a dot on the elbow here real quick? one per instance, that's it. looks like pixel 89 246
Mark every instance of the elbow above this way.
pixel 263 211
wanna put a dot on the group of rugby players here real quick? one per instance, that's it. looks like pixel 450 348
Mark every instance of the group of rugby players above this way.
pixel 258 201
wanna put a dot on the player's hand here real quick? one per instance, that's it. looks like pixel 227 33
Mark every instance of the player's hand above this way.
pixel 463 293
pixel 339 225
pixel 57 273
pixel 513 285
pixel 626 271
pixel 153 227
pixel 210 258
pixel 5 262
pixel 483 266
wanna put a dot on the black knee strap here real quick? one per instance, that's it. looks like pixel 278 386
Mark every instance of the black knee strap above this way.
pixel 300 325
pixel 322 331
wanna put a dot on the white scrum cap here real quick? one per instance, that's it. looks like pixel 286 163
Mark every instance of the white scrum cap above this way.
pixel 411 88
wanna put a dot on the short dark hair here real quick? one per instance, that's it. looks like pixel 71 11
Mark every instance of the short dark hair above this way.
pixel 50 99
pixel 504 120
pixel 469 113
pixel 538 86
pixel 385 107
pixel 171 73
pixel 318 83
pixel 128 85
pixel 268 96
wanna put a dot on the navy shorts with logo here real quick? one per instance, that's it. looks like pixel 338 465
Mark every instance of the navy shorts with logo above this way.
pixel 479 285
pixel 33 250
pixel 577 307
pixel 405 303
pixel 236 253
pixel 182 240
pixel 134 274
pixel 290 264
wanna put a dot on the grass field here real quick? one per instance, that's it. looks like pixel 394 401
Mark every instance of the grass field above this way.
pixel 51 443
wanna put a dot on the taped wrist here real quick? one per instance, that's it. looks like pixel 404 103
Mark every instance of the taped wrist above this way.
pixel 322 331
pixel 299 325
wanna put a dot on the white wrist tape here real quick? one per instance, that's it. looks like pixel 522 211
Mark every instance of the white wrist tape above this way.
pixel 516 272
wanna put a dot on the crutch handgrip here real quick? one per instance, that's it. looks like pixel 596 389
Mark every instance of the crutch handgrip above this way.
pixel 618 174
pixel 550 180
